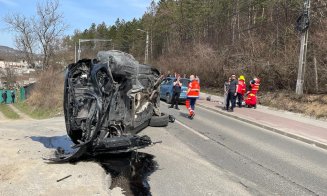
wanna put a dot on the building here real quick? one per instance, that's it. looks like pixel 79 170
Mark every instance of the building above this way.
pixel 20 67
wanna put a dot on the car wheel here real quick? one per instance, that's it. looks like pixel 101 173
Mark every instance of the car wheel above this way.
pixel 73 134
pixel 159 121
pixel 168 98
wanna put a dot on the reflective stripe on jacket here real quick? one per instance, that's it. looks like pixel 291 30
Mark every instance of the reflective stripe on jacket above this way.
pixel 255 88
pixel 194 89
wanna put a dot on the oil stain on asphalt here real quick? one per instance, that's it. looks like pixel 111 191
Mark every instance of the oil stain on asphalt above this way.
pixel 129 171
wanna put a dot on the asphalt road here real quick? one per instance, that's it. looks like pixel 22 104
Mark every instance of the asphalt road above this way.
pixel 209 155
pixel 261 161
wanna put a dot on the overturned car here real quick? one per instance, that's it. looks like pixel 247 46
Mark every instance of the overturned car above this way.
pixel 107 101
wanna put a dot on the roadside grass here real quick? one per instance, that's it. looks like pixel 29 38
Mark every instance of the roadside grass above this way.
pixel 8 112
pixel 36 112
pixel 310 105
pixel 46 98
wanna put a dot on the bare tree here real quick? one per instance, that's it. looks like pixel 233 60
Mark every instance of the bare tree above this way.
pixel 9 75
pixel 39 33
pixel 25 39
pixel 49 27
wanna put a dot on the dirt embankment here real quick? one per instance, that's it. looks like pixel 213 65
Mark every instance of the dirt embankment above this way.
pixel 311 105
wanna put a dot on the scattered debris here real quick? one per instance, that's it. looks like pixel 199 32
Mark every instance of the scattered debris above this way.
pixel 64 178
pixel 172 118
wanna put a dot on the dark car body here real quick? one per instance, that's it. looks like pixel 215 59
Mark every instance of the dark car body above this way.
pixel 108 100
pixel 166 89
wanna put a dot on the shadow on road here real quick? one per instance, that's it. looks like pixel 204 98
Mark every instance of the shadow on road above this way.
pixel 55 142
pixel 185 115
pixel 129 171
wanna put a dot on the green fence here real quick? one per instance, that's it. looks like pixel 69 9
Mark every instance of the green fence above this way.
pixel 20 95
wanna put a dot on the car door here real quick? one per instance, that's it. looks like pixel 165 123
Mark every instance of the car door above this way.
pixel 162 88
pixel 169 88
pixel 165 88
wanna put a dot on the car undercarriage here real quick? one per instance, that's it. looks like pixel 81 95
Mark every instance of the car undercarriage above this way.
pixel 107 101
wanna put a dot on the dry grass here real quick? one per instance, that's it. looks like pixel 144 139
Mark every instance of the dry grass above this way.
pixel 8 112
pixel 48 93
pixel 311 105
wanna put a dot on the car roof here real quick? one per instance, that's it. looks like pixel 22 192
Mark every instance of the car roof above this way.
pixel 175 78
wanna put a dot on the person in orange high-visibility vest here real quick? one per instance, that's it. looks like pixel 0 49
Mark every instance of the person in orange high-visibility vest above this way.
pixel 193 93
pixel 251 100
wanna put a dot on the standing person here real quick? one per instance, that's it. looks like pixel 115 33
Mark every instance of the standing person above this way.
pixel 168 74
pixel 193 93
pixel 226 89
pixel 232 92
pixel 241 90
pixel 13 96
pixel 4 96
pixel 177 88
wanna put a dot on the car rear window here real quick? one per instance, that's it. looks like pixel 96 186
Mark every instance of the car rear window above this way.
pixel 185 82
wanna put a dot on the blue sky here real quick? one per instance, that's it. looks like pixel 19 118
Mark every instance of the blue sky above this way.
pixel 78 14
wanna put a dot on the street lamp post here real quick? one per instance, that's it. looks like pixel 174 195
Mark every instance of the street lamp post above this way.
pixel 88 40
pixel 146 53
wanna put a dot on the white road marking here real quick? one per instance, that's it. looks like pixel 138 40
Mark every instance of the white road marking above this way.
pixel 192 130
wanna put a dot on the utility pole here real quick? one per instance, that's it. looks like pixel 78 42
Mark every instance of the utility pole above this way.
pixel 75 53
pixel 146 59
pixel 146 52
pixel 151 46
pixel 303 26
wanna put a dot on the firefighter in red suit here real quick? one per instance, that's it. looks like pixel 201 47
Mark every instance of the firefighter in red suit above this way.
pixel 251 100
pixel 241 90
pixel 193 93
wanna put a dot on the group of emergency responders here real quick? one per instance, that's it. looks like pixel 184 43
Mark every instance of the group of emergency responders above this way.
pixel 193 93
pixel 250 93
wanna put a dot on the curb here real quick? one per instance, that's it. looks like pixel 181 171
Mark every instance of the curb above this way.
pixel 290 135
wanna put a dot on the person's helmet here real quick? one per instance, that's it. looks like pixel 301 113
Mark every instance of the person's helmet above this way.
pixel 241 78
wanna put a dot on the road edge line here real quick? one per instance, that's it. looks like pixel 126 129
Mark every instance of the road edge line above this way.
pixel 290 135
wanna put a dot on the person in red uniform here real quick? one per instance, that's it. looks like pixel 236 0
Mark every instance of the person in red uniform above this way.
pixel 251 100
pixel 193 93
pixel 241 90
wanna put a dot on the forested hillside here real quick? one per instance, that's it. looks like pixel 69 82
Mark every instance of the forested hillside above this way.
pixel 215 38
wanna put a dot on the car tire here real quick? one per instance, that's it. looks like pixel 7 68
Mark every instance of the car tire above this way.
pixel 168 98
pixel 159 121
pixel 73 134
